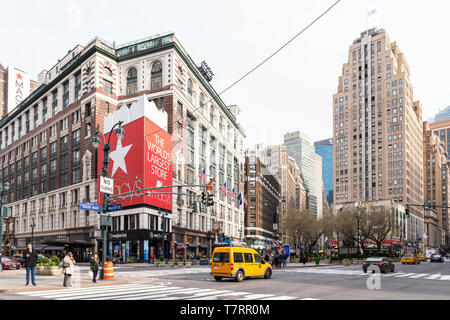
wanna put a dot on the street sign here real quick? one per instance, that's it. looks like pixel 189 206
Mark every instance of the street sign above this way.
pixel 114 207
pixel 276 243
pixel 90 206
pixel 106 185
pixel 105 220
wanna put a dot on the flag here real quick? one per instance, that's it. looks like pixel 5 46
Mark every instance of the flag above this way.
pixel 239 197
pixel 224 188
pixel 245 202
pixel 233 194
pixel 210 187
pixel 371 12
pixel 203 175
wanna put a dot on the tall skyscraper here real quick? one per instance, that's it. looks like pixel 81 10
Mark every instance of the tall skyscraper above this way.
pixel 377 126
pixel 310 164
pixel 324 149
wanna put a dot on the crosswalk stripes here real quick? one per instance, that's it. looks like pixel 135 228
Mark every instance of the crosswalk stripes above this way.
pixel 156 273
pixel 350 272
pixel 149 292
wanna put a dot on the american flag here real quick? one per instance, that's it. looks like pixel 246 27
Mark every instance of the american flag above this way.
pixel 245 202
pixel 224 188
pixel 203 175
pixel 233 194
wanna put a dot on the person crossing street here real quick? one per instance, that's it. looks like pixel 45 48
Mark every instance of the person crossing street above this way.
pixel 31 260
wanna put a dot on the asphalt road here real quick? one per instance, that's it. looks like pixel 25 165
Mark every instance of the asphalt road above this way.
pixel 424 281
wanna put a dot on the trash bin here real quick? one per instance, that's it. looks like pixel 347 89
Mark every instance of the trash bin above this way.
pixel 317 260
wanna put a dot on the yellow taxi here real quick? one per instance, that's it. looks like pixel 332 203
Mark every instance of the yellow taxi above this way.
pixel 238 263
pixel 421 257
pixel 410 258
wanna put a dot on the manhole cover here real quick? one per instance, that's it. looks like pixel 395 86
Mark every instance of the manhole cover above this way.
pixel 179 295
pixel 229 297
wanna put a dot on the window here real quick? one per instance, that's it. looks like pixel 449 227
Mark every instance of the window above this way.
pixel 258 258
pixel 238 258
pixel 221 257
pixel 248 257
pixel 107 86
pixel 132 81
pixel 107 72
pixel 88 109
pixel 189 89
pixel 156 76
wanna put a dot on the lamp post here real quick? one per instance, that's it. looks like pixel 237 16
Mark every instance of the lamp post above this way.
pixel 32 226
pixel 120 133
pixel 358 219
pixel 3 190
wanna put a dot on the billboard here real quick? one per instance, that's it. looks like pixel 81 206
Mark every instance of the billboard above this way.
pixel 18 87
pixel 142 159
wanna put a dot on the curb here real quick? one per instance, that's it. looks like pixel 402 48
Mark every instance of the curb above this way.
pixel 58 288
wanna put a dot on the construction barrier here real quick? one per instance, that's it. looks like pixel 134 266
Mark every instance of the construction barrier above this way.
pixel 108 271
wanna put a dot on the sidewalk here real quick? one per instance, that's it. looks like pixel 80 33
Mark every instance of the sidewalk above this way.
pixel 14 281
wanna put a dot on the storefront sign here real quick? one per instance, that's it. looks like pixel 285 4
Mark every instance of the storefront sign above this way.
pixel 139 234
pixel 143 158
pixel 18 87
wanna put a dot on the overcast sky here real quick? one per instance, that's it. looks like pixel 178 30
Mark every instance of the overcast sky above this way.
pixel 293 91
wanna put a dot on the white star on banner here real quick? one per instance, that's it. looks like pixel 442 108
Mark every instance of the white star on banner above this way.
pixel 118 156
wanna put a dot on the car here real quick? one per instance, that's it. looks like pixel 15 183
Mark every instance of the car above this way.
pixel 437 257
pixel 18 257
pixel 238 263
pixel 410 258
pixel 9 264
pixel 383 263
pixel 421 257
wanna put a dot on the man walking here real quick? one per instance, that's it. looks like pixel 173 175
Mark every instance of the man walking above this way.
pixel 31 259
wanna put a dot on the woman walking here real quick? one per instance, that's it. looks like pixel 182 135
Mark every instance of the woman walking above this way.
pixel 69 269
pixel 95 266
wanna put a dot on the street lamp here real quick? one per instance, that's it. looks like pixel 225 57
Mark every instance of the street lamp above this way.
pixel 32 226
pixel 120 133
pixel 3 190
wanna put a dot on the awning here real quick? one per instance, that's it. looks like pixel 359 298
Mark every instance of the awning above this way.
pixel 203 246
pixel 181 245
pixel 192 245
pixel 53 248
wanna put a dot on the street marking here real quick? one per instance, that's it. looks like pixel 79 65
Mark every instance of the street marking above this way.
pixel 434 276
pixel 420 275
pixel 309 299
pixel 280 298
pixel 107 293
pixel 68 290
pixel 257 296
pixel 165 293
pixel 444 278
pixel 135 293
pixel 405 275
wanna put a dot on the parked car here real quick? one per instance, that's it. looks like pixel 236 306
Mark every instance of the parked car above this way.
pixel 437 257
pixel 410 258
pixel 238 263
pixel 18 257
pixel 384 263
pixel 9 264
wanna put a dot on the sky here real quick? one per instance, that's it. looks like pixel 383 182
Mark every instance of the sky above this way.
pixel 292 91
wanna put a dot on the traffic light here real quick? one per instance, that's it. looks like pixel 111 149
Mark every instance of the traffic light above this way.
pixel 204 197
pixel 407 212
pixel 209 199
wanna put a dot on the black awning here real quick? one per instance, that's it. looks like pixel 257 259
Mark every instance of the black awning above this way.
pixel 203 246
pixel 53 248
pixel 192 245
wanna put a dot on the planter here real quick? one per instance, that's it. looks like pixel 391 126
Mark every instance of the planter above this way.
pixel 48 271
pixel 188 264
pixel 171 264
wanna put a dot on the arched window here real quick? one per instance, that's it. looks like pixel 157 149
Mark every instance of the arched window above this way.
pixel 132 81
pixel 156 80
pixel 189 88
pixel 107 72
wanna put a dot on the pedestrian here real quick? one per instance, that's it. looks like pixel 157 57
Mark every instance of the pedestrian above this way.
pixel 277 260
pixel 95 266
pixel 266 257
pixel 68 269
pixel 30 258
pixel 153 257
pixel 304 259
pixel 284 258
